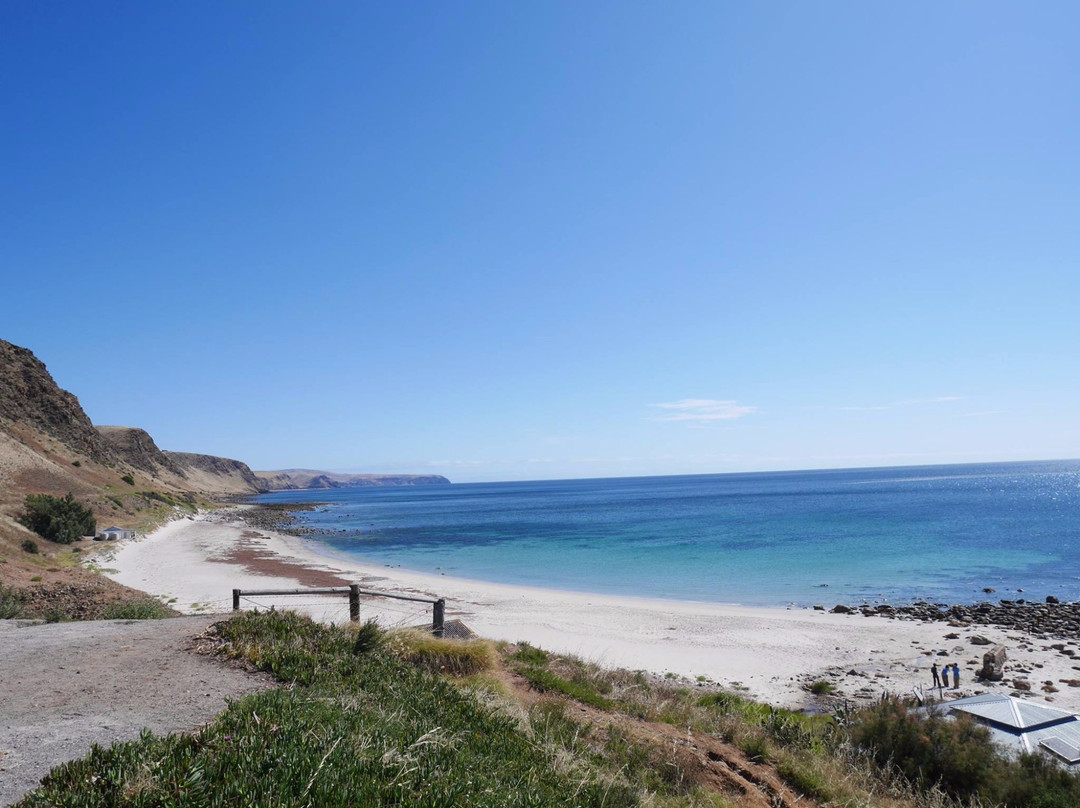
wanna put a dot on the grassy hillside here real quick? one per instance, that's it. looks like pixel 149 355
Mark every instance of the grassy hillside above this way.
pixel 365 718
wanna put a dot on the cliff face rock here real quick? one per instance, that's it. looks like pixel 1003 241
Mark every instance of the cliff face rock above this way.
pixel 48 444
pixel 44 430
pixel 135 446
pixel 310 479
pixel 216 474
pixel 30 398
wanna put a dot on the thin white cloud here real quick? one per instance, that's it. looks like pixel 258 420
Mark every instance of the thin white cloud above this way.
pixel 702 410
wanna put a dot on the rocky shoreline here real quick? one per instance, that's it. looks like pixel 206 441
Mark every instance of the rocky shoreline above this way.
pixel 1050 619
pixel 278 516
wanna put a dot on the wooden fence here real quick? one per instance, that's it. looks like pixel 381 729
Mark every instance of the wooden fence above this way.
pixel 438 606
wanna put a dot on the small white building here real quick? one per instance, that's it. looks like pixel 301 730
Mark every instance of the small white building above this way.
pixel 114 533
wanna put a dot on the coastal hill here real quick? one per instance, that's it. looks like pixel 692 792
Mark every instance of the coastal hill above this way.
pixel 48 444
pixel 311 479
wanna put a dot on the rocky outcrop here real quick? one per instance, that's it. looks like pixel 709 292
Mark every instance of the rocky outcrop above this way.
pixel 30 398
pixel 310 479
pixel 137 448
pixel 212 474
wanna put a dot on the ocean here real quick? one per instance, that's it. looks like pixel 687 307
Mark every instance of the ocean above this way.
pixel 936 533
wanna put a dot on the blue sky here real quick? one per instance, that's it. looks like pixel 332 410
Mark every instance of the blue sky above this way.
pixel 542 240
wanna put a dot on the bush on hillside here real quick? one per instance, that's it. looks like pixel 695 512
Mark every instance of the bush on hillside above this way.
pixel 139 609
pixel 956 755
pixel 58 519
pixel 10 602
pixel 959 757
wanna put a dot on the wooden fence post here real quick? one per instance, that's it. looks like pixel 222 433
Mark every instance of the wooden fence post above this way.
pixel 236 600
pixel 354 602
pixel 438 617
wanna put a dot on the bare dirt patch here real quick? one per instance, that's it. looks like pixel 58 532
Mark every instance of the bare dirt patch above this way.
pixel 70 685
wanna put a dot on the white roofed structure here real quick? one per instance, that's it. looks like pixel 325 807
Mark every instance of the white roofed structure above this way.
pixel 1025 726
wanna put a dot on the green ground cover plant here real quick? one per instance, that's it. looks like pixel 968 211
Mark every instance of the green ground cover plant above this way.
pixel 352 729
pixel 370 718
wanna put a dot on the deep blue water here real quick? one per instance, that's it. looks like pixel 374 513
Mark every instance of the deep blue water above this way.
pixel 894 534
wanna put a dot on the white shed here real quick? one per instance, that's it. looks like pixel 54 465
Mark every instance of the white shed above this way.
pixel 114 533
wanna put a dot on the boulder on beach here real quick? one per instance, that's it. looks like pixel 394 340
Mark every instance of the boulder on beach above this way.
pixel 993 667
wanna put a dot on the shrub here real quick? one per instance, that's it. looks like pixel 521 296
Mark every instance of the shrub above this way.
pixel 58 519
pixel 10 602
pixel 531 655
pixel 755 746
pixel 76 463
pixel 956 755
pixel 141 609
pixel 30 546
pixel 725 703
pixel 805 779
pixel 127 478
pixel 368 638
pixel 821 688
pixel 547 682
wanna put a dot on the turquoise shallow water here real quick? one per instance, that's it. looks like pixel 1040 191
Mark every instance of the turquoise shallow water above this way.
pixel 942 533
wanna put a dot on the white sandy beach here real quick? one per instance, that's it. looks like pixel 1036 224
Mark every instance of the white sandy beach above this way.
pixel 773 653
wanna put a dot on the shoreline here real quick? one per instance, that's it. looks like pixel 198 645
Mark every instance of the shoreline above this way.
pixel 772 654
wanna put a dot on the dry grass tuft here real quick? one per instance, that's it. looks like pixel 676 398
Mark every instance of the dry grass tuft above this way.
pixel 448 657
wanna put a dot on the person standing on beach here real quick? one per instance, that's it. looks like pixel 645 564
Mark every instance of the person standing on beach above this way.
pixel 934 673
pixel 955 676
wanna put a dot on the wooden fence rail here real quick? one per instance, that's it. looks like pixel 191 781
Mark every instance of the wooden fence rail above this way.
pixel 438 606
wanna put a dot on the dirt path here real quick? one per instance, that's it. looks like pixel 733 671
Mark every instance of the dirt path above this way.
pixel 65 686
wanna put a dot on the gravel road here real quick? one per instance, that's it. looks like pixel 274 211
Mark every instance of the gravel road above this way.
pixel 65 686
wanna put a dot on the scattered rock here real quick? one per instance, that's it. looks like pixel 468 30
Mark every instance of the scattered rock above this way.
pixel 1021 684
pixel 840 608
pixel 979 639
